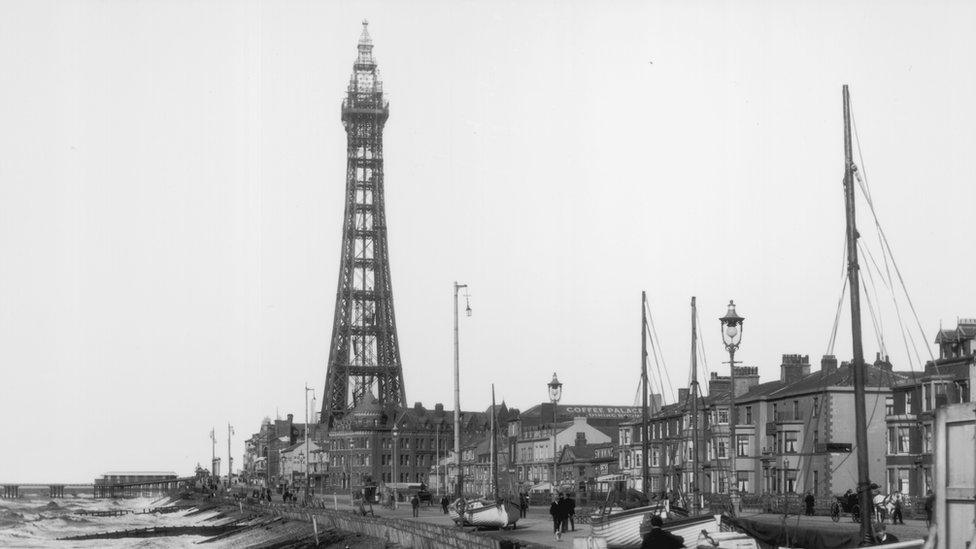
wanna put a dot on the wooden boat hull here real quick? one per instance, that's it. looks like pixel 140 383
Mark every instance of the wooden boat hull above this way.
pixel 623 530
pixel 485 515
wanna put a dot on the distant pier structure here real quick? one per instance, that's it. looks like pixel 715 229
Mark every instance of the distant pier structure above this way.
pixel 120 484
pixel 13 491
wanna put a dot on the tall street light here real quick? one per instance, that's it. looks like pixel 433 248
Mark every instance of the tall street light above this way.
pixel 731 337
pixel 555 393
pixel 307 427
pixel 457 390
pixel 395 462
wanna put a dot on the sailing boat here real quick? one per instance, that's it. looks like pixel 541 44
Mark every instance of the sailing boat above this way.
pixel 490 511
pixel 625 528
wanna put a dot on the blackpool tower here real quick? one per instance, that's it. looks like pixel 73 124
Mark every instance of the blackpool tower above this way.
pixel 364 355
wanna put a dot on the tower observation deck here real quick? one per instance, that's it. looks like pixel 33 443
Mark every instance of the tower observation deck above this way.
pixel 364 356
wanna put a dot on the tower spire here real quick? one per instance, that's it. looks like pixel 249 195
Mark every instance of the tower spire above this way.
pixel 364 356
pixel 364 39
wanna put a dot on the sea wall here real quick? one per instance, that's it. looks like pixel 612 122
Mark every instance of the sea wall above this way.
pixel 418 535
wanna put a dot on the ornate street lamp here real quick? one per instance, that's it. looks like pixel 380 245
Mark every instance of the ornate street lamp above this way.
pixel 555 393
pixel 731 338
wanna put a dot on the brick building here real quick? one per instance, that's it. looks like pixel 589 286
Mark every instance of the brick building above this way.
pixel 581 464
pixel 911 411
pixel 797 433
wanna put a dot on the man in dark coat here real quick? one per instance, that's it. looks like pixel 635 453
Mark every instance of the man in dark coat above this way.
pixel 415 504
pixel 555 511
pixel 929 505
pixel 571 511
pixel 444 503
pixel 658 538
pixel 809 500
pixel 563 512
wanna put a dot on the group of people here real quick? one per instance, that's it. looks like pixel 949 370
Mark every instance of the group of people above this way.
pixel 563 512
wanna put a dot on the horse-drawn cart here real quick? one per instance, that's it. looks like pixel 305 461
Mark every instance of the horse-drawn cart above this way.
pixel 845 504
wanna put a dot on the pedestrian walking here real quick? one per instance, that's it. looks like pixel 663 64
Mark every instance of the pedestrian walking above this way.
pixel 896 513
pixel 563 512
pixel 523 504
pixel 444 503
pixel 555 511
pixel 929 505
pixel 571 508
pixel 415 504
pixel 809 500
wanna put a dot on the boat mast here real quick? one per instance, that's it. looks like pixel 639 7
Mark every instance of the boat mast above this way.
pixel 694 409
pixel 494 456
pixel 857 365
pixel 645 488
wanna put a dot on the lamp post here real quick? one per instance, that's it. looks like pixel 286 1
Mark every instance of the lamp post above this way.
pixel 230 459
pixel 307 427
pixel 555 393
pixel 395 463
pixel 457 390
pixel 731 337
pixel 213 453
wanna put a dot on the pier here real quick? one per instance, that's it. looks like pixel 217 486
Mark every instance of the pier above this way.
pixel 55 490
pixel 142 488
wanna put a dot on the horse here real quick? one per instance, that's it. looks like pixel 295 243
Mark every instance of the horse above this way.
pixel 884 506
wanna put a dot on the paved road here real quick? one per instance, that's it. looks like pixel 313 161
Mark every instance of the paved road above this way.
pixel 912 529
pixel 536 528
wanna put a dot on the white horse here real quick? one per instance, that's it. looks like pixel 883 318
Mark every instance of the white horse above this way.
pixel 884 506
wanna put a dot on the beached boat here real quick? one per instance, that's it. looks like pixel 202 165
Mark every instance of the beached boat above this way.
pixel 724 540
pixel 622 528
pixel 484 513
pixel 626 528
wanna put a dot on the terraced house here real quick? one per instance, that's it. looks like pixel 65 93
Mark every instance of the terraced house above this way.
pixel 911 411
pixel 797 433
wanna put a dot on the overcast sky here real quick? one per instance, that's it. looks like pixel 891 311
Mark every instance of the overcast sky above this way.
pixel 171 185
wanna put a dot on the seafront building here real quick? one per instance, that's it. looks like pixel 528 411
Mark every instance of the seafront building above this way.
pixel 910 414
pixel 793 434
pixel 534 441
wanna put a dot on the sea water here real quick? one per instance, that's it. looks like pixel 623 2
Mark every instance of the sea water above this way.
pixel 33 522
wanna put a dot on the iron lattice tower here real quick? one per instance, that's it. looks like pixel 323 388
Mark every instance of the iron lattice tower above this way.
pixel 364 357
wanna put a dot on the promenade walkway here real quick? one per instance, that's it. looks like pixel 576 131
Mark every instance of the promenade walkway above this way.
pixel 536 528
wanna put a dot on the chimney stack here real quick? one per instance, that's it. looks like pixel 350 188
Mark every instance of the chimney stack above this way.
pixel 746 377
pixel 719 384
pixel 828 363
pixel 794 368
pixel 682 395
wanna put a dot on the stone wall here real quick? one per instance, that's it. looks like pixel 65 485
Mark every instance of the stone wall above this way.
pixel 405 533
